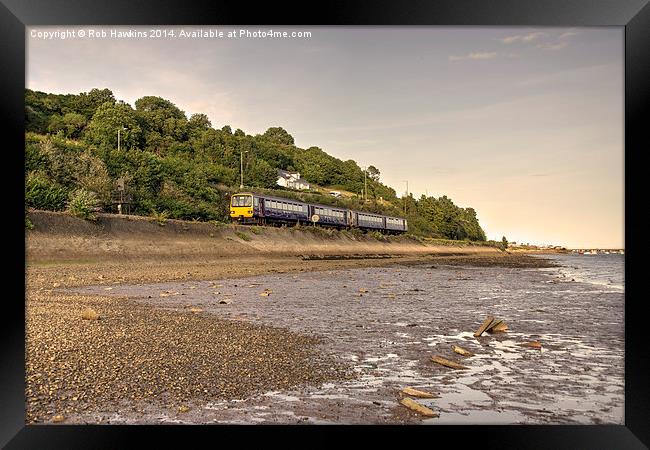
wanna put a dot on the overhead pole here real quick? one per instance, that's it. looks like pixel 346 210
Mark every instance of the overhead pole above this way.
pixel 365 185
pixel 241 168
pixel 407 194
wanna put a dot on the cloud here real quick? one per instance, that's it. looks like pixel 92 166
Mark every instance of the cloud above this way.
pixel 522 37
pixel 474 55
pixel 552 45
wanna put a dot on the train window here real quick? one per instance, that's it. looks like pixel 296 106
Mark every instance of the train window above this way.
pixel 256 201
pixel 242 200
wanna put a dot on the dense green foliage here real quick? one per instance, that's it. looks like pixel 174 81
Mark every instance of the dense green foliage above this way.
pixel 83 204
pixel 186 169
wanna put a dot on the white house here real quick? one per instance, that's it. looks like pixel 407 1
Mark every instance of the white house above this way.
pixel 291 180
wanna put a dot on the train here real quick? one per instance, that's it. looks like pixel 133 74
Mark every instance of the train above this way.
pixel 256 209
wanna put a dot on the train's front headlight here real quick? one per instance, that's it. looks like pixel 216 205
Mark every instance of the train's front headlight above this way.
pixel 250 211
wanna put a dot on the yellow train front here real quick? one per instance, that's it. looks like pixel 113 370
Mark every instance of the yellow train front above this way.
pixel 241 208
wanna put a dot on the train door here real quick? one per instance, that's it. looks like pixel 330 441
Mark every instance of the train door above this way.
pixel 352 218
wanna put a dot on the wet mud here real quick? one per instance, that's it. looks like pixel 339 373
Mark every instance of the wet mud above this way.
pixel 385 323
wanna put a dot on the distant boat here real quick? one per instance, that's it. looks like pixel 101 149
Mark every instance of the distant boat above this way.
pixel 590 253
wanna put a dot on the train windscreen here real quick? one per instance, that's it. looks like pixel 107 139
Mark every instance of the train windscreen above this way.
pixel 242 200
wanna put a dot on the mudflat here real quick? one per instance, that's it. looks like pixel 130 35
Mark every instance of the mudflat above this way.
pixel 272 337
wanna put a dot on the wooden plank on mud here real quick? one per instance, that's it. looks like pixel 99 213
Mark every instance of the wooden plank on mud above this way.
pixel 421 409
pixel 486 323
pixel 532 344
pixel 494 323
pixel 447 363
pixel 461 351
pixel 417 393
pixel 500 328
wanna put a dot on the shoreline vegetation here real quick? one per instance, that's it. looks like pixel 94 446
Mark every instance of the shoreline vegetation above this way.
pixel 79 148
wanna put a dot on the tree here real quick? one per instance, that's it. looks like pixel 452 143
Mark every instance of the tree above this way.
pixel 109 117
pixel 373 173
pixel 504 242
pixel 70 124
pixel 278 135
pixel 199 122
pixel 87 103
pixel 162 122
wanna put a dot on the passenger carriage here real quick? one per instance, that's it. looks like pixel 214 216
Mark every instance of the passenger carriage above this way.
pixel 396 225
pixel 329 216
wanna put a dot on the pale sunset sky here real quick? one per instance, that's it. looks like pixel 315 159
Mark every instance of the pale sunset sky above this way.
pixel 525 125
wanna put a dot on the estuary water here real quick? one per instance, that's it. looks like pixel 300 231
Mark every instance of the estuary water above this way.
pixel 603 270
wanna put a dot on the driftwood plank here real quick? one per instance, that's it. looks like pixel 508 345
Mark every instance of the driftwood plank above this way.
pixel 417 393
pixel 486 323
pixel 494 323
pixel 447 363
pixel 532 344
pixel 415 406
pixel 461 351
pixel 500 328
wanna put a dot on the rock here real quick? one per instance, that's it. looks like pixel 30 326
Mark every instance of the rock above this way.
pixel 224 302
pixel 363 290
pixel 421 409
pixel 417 393
pixel 89 314
pixel 195 310
pixel 183 409
pixel 58 418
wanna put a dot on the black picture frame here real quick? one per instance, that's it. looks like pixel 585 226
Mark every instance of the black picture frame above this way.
pixel 634 15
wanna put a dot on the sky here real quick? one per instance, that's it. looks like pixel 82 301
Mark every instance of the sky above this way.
pixel 525 125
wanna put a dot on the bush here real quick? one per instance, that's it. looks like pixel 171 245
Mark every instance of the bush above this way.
pixel 43 193
pixel 83 204
pixel 28 224
pixel 160 218
pixel 243 236
pixel 377 235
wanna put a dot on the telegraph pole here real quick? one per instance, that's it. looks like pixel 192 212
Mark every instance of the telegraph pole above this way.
pixel 118 136
pixel 365 185
pixel 407 195
pixel 241 169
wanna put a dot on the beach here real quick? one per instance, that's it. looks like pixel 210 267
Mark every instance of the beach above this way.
pixel 277 338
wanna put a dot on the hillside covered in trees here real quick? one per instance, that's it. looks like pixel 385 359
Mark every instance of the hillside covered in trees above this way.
pixel 185 168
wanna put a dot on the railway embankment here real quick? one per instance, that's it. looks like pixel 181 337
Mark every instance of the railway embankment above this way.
pixel 57 236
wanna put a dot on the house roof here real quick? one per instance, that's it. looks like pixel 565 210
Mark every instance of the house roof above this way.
pixel 286 174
